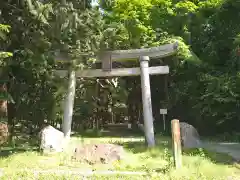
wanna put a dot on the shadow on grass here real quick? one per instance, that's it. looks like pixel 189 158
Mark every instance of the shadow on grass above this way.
pixel 8 151
pixel 217 158
pixel 134 147
pixel 141 146
pixel 20 145
pixel 108 134
pixel 164 143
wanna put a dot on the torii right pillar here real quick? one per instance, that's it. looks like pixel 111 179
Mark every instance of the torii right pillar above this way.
pixel 146 100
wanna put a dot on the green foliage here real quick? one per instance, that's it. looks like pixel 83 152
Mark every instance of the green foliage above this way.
pixel 203 86
pixel 38 30
pixel 4 29
pixel 204 73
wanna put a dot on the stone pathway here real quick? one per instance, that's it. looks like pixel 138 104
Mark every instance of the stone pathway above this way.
pixel 232 149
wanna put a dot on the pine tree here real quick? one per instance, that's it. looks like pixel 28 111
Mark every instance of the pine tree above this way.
pixel 40 28
pixel 77 32
pixel 4 95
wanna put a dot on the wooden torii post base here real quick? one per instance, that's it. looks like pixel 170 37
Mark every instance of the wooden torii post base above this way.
pixel 107 57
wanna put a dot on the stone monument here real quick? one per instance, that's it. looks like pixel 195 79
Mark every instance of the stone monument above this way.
pixel 51 139
pixel 189 136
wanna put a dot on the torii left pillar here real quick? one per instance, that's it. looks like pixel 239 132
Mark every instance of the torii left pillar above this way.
pixel 146 100
pixel 69 103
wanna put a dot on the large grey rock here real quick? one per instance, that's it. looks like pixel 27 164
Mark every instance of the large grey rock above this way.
pixel 51 139
pixel 189 136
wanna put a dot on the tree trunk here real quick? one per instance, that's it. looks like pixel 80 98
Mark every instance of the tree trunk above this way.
pixel 4 108
pixel 11 116
pixel 3 101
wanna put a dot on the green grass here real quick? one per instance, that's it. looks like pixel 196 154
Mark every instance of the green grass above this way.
pixel 156 162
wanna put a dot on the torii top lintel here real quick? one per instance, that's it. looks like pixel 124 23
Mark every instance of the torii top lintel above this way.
pixel 107 57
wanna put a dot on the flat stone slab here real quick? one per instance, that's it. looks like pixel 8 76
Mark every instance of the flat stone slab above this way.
pixel 98 153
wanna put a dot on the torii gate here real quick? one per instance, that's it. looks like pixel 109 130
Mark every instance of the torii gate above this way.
pixel 107 57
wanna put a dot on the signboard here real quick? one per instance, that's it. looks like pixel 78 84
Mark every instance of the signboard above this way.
pixel 163 111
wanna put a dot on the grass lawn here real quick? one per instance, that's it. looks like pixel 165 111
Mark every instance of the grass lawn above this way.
pixel 157 163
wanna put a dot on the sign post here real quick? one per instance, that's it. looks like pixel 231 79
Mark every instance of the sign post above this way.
pixel 164 112
pixel 176 143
